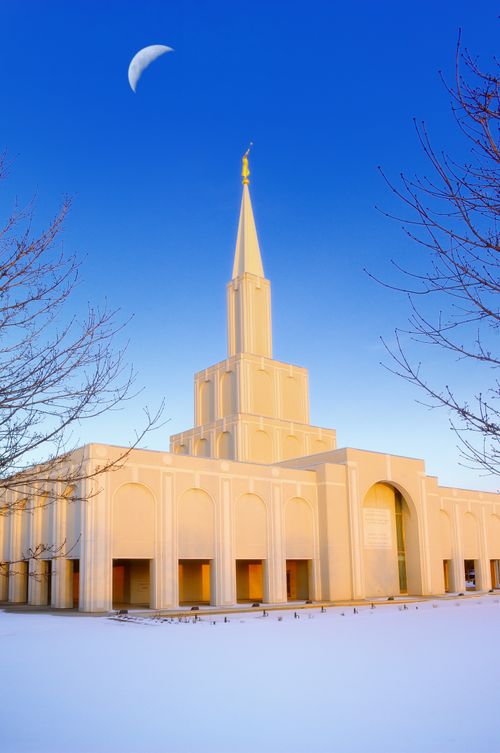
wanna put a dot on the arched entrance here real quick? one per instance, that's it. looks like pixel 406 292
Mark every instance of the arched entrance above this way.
pixel 390 543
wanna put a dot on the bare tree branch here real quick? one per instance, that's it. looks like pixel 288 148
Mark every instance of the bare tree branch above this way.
pixel 454 216
pixel 57 370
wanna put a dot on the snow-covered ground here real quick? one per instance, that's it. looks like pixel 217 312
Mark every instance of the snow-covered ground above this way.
pixel 424 679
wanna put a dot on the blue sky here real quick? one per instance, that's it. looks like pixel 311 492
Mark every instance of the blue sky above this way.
pixel 327 92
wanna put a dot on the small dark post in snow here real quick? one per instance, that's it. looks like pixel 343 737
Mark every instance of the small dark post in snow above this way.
pixel 323 610
pixel 225 618
pixel 297 616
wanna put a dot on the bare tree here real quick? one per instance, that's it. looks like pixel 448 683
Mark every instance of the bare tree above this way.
pixel 56 369
pixel 453 215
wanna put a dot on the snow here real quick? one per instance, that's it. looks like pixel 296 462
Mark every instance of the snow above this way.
pixel 385 679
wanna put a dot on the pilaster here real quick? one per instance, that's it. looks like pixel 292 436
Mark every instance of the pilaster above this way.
pixel 458 553
pixel 423 537
pixel 61 589
pixel 4 569
pixel 357 551
pixel 275 571
pixel 225 580
pixel 484 579
pixel 38 585
pixel 18 569
pixel 96 563
pixel 165 567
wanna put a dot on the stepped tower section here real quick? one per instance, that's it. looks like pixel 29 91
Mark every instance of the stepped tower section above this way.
pixel 250 407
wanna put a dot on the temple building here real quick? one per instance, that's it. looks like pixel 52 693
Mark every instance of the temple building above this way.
pixel 252 504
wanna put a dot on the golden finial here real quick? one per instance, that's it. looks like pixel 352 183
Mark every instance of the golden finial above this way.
pixel 245 170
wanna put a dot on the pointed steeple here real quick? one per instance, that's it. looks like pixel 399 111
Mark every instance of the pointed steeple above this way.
pixel 247 256
pixel 248 293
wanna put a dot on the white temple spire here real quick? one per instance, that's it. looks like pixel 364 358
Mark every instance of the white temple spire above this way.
pixel 247 256
pixel 248 293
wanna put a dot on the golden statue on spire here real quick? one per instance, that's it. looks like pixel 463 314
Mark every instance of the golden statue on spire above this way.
pixel 245 170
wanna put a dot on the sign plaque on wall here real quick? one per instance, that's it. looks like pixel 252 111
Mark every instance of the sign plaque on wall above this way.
pixel 377 528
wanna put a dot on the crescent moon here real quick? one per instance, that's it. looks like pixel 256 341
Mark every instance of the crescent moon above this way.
pixel 142 60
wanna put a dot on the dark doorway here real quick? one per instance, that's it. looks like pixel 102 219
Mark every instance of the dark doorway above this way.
pixel 249 580
pixel 76 584
pixel 495 573
pixel 23 570
pixel 447 576
pixel 131 583
pixel 297 579
pixel 470 574
pixel 194 582
pixel 400 536
pixel 48 577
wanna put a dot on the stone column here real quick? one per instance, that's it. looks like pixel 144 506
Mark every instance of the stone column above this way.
pixel 96 563
pixel 224 578
pixel 355 527
pixel 458 553
pixel 4 569
pixel 424 541
pixel 483 578
pixel 18 583
pixel 37 583
pixel 18 570
pixel 315 590
pixel 62 569
pixel 165 580
pixel 4 582
pixel 62 583
pixel 275 570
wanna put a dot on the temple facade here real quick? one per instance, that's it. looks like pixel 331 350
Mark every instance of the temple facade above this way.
pixel 252 504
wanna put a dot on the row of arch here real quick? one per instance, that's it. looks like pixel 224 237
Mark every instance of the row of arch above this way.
pixel 33 518
pixel 260 450
pixel 263 402
pixel 134 525
pixel 470 536
pixel 207 398
pixel 224 447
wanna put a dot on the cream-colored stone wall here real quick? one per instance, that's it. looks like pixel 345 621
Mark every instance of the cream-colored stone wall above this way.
pixel 161 510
